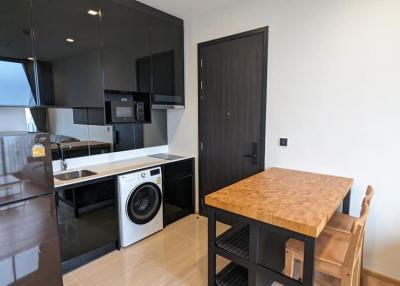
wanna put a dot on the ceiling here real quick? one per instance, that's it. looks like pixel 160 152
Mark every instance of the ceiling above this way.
pixel 187 8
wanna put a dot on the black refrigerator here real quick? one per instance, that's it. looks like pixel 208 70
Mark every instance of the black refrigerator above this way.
pixel 29 243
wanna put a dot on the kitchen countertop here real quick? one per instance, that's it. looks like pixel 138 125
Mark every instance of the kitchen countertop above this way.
pixel 113 168
pixel 299 201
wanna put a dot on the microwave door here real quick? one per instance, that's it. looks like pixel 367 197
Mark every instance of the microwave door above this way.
pixel 122 112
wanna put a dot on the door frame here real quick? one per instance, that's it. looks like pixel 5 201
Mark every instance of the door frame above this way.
pixel 200 46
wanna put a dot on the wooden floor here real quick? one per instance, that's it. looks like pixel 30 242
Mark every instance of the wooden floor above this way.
pixel 175 256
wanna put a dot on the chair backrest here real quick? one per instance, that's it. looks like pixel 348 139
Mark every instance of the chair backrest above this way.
pixel 368 195
pixel 362 220
pixel 365 208
pixel 352 259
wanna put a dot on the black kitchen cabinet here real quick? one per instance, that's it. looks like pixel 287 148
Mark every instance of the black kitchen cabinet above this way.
pixel 125 38
pixel 178 190
pixel 67 46
pixel 128 136
pixel 87 221
pixel 17 77
pixel 143 51
pixel 167 61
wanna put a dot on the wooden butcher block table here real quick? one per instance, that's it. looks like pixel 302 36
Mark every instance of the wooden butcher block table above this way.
pixel 276 204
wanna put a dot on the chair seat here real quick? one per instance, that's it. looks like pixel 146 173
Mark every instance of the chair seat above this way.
pixel 342 222
pixel 330 253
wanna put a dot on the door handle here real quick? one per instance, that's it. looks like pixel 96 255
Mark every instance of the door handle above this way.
pixel 254 153
pixel 250 155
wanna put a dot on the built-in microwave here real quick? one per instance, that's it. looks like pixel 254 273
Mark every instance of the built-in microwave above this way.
pixel 125 112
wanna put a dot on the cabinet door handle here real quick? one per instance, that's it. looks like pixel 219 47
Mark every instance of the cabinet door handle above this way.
pixel 116 134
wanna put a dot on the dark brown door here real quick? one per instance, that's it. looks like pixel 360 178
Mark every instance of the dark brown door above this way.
pixel 232 103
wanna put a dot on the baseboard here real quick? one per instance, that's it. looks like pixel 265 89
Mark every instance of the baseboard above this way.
pixel 374 278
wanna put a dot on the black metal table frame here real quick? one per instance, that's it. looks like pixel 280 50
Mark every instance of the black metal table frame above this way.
pixel 252 263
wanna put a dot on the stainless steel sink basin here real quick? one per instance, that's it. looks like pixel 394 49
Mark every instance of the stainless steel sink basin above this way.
pixel 74 175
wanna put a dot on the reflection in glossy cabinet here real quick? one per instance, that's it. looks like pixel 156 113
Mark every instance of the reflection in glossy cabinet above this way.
pixel 67 45
pixel 17 79
pixel 29 253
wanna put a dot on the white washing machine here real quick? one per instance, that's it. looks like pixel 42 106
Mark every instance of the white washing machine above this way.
pixel 140 205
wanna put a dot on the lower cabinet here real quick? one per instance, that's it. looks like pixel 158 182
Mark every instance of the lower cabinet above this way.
pixel 88 216
pixel 178 190
pixel 87 221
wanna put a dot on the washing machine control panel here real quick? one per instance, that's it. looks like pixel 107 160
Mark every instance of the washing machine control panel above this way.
pixel 153 175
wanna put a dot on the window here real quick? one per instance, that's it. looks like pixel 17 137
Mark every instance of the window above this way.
pixel 14 83
pixel 30 123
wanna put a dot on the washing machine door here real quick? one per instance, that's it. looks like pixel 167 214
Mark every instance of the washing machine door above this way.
pixel 144 202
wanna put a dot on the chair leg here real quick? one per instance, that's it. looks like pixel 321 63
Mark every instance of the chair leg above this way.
pixel 359 272
pixel 347 277
pixel 301 270
pixel 289 263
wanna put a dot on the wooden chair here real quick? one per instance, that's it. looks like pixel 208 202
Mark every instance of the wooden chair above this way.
pixel 338 254
pixel 343 222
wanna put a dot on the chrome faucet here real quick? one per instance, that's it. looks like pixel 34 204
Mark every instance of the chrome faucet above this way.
pixel 64 164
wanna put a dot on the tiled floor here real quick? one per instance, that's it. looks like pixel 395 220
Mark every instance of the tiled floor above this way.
pixel 175 256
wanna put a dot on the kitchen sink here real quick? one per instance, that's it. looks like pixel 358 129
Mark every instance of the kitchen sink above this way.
pixel 74 175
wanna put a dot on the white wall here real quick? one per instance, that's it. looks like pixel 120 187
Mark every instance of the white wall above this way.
pixel 333 90
pixel 12 119
pixel 62 123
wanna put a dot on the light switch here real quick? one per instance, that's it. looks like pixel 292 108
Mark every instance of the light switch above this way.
pixel 283 142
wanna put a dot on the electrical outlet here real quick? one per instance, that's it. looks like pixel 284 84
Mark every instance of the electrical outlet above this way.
pixel 283 142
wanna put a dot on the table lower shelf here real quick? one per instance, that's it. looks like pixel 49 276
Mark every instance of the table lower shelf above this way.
pixel 235 240
pixel 234 245
pixel 232 275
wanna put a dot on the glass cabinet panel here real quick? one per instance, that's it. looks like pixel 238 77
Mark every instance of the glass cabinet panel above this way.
pixel 17 77
pixel 67 45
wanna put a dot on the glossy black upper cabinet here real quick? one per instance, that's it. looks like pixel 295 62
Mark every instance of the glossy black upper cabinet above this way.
pixel 67 45
pixel 143 51
pixel 17 77
pixel 167 61
pixel 125 40
pixel 66 53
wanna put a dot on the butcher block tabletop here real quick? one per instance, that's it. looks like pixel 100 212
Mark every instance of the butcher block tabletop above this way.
pixel 298 201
